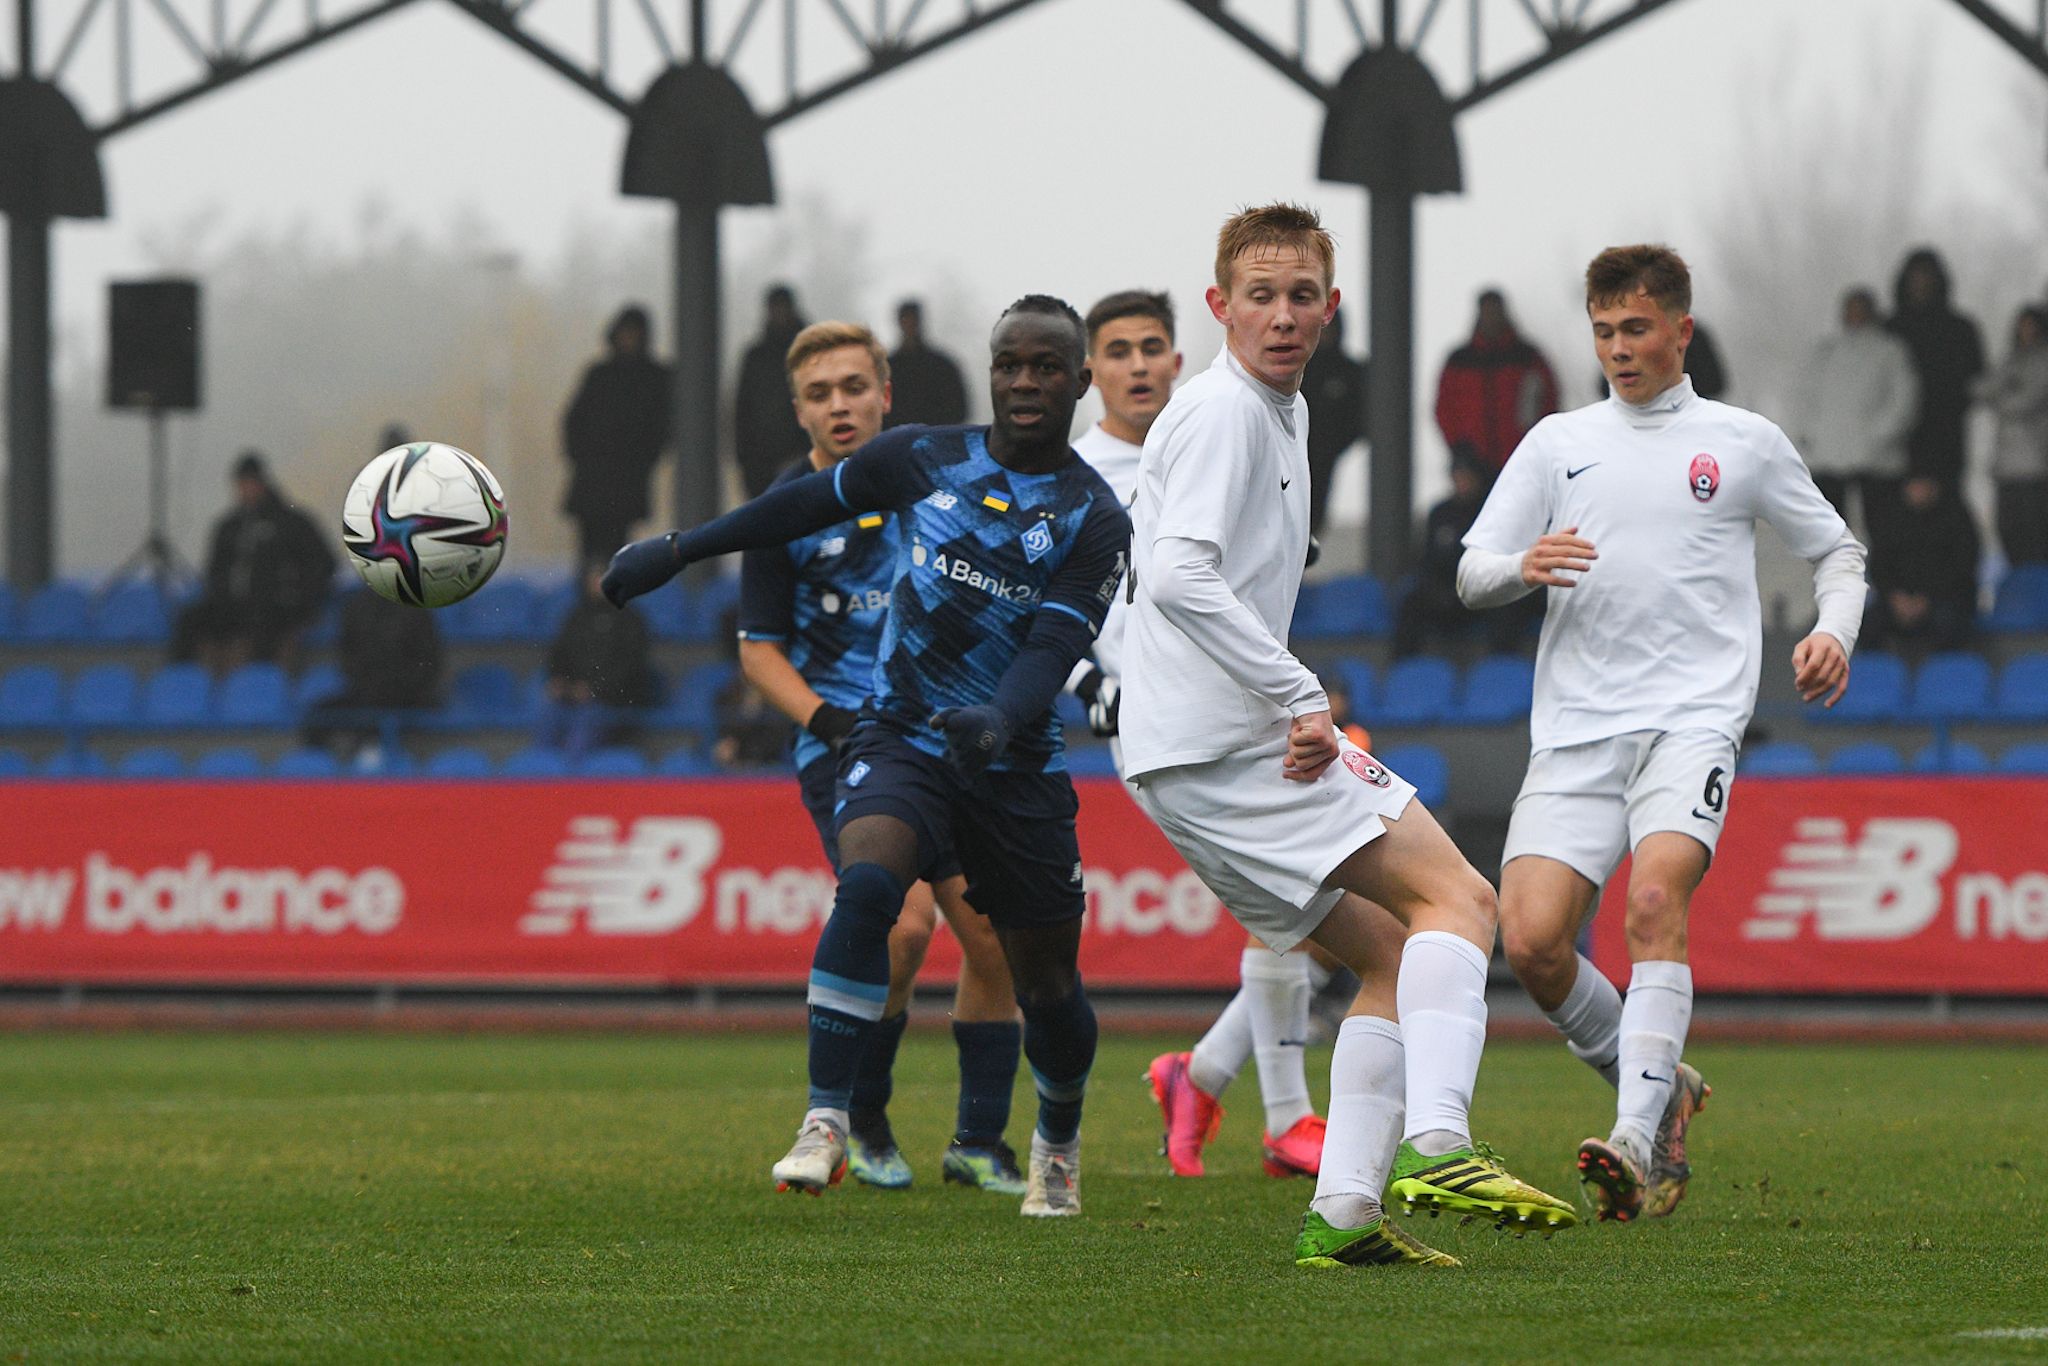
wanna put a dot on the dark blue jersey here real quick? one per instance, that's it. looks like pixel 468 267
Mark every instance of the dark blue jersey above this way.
pixel 823 598
pixel 982 550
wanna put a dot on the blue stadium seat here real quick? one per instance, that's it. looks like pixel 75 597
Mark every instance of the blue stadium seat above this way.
pixel 2022 600
pixel 684 761
pixel 1781 758
pixel 705 606
pixel 1955 686
pixel 317 684
pixel 133 613
pixel 535 762
pixel 14 764
pixel 458 761
pixel 57 612
pixel 1957 756
pixel 1334 608
pixel 326 627
pixel 1424 766
pixel 104 696
pixel 1091 761
pixel 306 763
pixel 489 695
pixel 1877 691
pixel 6 614
pixel 228 761
pixel 1361 683
pixel 255 696
pixel 177 695
pixel 2030 758
pixel 31 697
pixel 151 761
pixel 1416 692
pixel 692 703
pixel 1864 758
pixel 1497 689
pixel 503 609
pixel 667 614
pixel 613 761
pixel 2023 689
pixel 74 763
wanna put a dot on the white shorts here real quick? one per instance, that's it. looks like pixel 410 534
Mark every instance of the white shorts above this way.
pixel 1588 805
pixel 1263 844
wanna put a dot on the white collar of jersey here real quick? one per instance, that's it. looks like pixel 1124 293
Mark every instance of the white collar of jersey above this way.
pixel 1658 410
pixel 1264 390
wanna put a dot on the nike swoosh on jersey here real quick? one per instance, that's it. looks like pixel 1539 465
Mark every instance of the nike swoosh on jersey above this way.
pixel 1284 483
pixel 1700 815
pixel 1573 474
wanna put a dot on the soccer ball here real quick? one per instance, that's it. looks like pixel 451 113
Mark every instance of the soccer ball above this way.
pixel 424 524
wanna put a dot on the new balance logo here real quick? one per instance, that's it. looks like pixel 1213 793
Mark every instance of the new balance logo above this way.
pixel 1885 886
pixel 942 500
pixel 648 880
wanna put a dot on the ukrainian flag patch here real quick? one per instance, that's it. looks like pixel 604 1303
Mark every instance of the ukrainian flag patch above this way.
pixel 992 501
pixel 869 521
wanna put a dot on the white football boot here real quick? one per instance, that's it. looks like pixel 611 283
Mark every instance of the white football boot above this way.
pixel 816 1161
pixel 1054 1186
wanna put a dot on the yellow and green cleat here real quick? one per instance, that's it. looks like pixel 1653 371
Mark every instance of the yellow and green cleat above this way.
pixel 1473 1182
pixel 1379 1243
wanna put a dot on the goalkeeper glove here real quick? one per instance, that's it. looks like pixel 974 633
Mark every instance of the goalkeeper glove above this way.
pixel 974 736
pixel 641 567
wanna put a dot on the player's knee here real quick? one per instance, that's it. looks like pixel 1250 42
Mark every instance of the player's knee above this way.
pixel 910 941
pixel 870 897
pixel 1655 921
pixel 1479 904
pixel 1537 954
pixel 1044 986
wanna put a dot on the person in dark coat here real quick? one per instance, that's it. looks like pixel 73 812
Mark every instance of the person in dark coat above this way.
pixel 1924 577
pixel 766 436
pixel 613 433
pixel 1432 608
pixel 390 658
pixel 268 574
pixel 1334 385
pixel 1948 353
pixel 1703 362
pixel 600 667
pixel 924 381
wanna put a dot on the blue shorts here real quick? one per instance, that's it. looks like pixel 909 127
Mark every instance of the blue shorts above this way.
pixel 1013 833
pixel 818 782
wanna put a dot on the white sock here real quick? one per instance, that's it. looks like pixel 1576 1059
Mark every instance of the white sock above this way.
pixel 1224 1050
pixel 1276 986
pixel 1590 1020
pixel 1368 1089
pixel 836 1117
pixel 1654 1018
pixel 1441 994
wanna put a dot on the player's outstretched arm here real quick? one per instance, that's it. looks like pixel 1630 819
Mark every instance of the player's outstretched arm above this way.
pixel 781 514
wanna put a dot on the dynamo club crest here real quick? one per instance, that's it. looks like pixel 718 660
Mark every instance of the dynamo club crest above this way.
pixel 1037 541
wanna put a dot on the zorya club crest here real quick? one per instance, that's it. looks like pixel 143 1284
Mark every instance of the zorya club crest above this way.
pixel 1704 478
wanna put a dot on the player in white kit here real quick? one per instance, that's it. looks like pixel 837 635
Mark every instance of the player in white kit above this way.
pixel 1229 745
pixel 1639 513
pixel 1132 353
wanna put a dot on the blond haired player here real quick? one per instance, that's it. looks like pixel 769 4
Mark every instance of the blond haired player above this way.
pixel 1229 744
pixel 1638 514
pixel 811 616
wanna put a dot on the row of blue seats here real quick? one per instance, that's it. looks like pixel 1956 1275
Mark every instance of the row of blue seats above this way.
pixel 1793 758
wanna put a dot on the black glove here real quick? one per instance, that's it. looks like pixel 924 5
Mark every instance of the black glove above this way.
pixel 974 736
pixel 1315 552
pixel 640 568
pixel 1104 697
pixel 832 724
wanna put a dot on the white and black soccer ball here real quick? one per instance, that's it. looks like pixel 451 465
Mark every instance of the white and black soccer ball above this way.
pixel 424 524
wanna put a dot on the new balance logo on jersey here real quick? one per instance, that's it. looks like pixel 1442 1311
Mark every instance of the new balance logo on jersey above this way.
pixel 1886 885
pixel 942 500
pixel 830 546
pixel 648 881
pixel 1704 478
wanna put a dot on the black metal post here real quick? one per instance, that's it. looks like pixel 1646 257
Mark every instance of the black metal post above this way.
pixel 1390 400
pixel 700 459
pixel 31 509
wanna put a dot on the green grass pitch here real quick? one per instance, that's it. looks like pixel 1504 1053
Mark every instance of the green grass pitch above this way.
pixel 324 1197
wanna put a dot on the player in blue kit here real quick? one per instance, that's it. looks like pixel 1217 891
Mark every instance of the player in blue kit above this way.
pixel 1011 551
pixel 810 622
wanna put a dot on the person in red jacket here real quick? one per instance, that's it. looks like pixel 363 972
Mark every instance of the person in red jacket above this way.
pixel 1493 388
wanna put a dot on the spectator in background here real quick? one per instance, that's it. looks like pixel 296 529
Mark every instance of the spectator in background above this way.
pixel 1703 363
pixel 1925 580
pixel 1861 397
pixel 1432 609
pixel 1334 385
pixel 765 434
pixel 751 731
pixel 1948 353
pixel 600 667
pixel 2017 392
pixel 925 381
pixel 268 573
pixel 390 658
pixel 1493 389
pixel 613 434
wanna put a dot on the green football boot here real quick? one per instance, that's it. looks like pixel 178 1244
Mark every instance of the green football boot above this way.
pixel 987 1166
pixel 1472 1181
pixel 1379 1243
pixel 876 1161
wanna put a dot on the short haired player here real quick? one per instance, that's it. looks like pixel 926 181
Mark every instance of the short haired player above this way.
pixel 1638 515
pixel 1012 548
pixel 1229 744
pixel 1135 361
pixel 810 625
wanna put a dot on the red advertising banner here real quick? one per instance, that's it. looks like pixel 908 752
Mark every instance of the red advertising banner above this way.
pixel 633 883
pixel 1868 885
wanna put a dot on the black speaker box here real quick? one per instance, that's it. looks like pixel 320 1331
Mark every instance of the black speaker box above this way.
pixel 153 344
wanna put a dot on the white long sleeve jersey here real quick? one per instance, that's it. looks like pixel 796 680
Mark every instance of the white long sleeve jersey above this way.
pixel 1116 460
pixel 1220 534
pixel 1665 631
